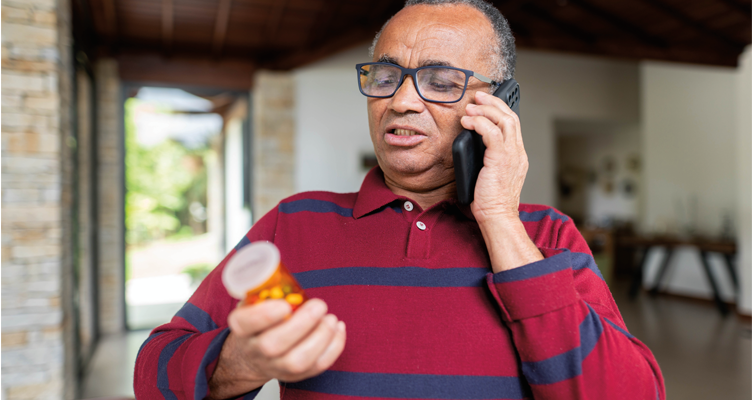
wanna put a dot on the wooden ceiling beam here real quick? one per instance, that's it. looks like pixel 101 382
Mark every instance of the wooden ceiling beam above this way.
pixel 168 25
pixel 322 24
pixel 110 17
pixel 192 71
pixel 620 24
pixel 220 27
pixel 743 10
pixel 566 28
pixel 695 25
pixel 299 57
pixel 275 20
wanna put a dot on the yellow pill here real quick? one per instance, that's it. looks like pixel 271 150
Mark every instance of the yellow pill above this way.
pixel 294 298
pixel 277 293
pixel 264 294
pixel 287 289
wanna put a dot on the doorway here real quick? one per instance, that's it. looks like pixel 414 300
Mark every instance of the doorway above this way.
pixel 174 199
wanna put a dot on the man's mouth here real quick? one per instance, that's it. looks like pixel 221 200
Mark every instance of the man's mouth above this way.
pixel 403 132
pixel 402 137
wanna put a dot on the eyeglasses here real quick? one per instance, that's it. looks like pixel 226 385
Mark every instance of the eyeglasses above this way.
pixel 434 83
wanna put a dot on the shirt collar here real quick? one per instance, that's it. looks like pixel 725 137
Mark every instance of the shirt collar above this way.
pixel 374 194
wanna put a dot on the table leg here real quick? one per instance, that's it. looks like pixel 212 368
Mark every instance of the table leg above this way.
pixel 637 273
pixel 662 271
pixel 716 294
pixel 732 272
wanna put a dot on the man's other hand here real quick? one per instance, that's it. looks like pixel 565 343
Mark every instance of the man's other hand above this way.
pixel 267 341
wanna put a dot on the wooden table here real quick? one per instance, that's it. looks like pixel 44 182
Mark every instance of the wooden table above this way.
pixel 704 246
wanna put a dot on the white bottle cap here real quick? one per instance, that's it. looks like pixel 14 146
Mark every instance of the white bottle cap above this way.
pixel 250 267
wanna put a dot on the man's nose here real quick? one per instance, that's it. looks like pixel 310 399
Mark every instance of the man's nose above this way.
pixel 407 98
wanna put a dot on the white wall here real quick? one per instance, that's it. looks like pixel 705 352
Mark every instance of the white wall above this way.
pixel 689 151
pixel 332 129
pixel 331 124
pixel 744 178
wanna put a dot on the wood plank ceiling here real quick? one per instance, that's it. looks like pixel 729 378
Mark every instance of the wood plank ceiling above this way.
pixel 180 39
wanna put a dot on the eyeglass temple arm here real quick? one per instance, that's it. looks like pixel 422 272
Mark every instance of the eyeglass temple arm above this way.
pixel 486 79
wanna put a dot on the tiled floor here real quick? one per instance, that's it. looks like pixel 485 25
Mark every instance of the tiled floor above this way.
pixel 703 356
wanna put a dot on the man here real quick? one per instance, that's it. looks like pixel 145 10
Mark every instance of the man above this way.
pixel 496 300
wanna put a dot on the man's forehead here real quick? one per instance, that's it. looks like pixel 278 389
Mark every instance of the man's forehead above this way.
pixel 434 35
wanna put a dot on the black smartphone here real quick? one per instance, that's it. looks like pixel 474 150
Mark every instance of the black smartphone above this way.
pixel 468 148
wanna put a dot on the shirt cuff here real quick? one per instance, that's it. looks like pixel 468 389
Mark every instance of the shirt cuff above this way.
pixel 208 365
pixel 535 289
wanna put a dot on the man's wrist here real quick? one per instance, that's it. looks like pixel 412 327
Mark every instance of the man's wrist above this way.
pixel 508 243
pixel 230 379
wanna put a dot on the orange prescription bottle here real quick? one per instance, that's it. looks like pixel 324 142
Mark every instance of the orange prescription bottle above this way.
pixel 255 273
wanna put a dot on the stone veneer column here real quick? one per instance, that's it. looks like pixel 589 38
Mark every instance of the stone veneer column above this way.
pixel 273 140
pixel 37 345
pixel 110 167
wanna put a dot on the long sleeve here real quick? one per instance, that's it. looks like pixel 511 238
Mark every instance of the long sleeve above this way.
pixel 178 358
pixel 568 332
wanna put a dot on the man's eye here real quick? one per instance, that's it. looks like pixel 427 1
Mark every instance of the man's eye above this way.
pixel 384 81
pixel 441 86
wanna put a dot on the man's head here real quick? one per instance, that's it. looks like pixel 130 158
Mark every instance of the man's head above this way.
pixel 412 137
pixel 503 48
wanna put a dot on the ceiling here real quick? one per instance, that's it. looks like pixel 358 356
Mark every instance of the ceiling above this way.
pixel 221 42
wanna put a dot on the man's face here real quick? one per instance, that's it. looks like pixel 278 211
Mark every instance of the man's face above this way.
pixel 413 138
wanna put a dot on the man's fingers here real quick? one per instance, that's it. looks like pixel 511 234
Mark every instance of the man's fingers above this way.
pixel 485 98
pixel 496 110
pixel 336 346
pixel 276 341
pixel 485 128
pixel 300 361
pixel 250 320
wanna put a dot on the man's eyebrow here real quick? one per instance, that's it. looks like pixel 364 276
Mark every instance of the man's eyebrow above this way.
pixel 386 59
pixel 437 63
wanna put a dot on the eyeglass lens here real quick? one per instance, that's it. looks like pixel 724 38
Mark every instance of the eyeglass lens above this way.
pixel 435 84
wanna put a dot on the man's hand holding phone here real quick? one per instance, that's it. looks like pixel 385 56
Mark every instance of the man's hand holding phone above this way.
pixel 499 184
pixel 267 341
pixel 497 190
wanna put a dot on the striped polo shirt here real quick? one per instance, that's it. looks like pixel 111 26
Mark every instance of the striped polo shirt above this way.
pixel 426 318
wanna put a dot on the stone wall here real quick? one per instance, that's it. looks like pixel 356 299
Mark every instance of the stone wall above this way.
pixel 273 140
pixel 37 352
pixel 111 196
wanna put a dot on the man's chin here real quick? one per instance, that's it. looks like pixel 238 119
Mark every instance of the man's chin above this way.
pixel 406 167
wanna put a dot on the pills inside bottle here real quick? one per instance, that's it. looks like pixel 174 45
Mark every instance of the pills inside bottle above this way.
pixel 256 273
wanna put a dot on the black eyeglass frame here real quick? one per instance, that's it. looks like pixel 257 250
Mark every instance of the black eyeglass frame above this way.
pixel 414 71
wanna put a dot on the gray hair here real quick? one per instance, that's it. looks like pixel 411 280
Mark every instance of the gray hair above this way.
pixel 503 49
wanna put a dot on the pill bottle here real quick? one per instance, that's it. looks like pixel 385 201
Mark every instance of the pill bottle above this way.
pixel 256 273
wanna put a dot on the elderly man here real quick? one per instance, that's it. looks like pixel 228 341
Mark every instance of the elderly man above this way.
pixel 494 301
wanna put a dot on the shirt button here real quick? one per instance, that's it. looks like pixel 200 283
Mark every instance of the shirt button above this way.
pixel 421 225
pixel 408 206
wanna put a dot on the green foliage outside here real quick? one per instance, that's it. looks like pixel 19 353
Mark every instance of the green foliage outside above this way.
pixel 162 181
pixel 198 272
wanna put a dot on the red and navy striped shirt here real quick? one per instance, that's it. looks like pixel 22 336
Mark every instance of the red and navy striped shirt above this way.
pixel 426 318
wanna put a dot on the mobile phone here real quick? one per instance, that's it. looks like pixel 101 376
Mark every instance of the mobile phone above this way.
pixel 468 148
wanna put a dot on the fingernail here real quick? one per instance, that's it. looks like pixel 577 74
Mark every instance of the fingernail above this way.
pixel 341 326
